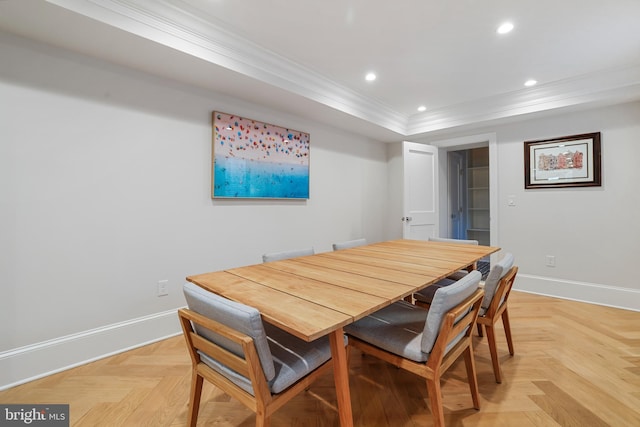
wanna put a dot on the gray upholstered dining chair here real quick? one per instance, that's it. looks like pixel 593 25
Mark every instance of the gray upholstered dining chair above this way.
pixel 426 342
pixel 349 244
pixel 424 297
pixel 450 240
pixel 258 364
pixel 497 288
pixel 458 274
pixel 277 256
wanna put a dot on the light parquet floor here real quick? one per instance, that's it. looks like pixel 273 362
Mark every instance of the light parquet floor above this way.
pixel 576 364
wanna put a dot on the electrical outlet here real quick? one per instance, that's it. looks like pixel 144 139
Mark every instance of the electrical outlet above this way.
pixel 163 288
pixel 551 261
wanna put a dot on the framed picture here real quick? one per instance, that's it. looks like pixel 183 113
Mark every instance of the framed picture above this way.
pixel 569 161
pixel 252 159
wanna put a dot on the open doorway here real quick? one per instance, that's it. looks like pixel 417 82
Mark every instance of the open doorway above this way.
pixel 468 175
pixel 469 197
pixel 469 194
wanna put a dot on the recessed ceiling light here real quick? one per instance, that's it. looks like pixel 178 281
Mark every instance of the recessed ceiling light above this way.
pixel 530 83
pixel 422 108
pixel 505 28
pixel 370 77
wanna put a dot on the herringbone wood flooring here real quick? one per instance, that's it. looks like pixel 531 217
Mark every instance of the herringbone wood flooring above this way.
pixel 575 364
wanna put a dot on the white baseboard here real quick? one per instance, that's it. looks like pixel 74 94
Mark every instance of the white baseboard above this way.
pixel 593 293
pixel 24 364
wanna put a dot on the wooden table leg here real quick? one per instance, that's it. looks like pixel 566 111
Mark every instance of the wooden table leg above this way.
pixel 341 377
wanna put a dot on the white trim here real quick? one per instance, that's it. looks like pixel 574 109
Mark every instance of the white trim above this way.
pixel 28 363
pixel 465 142
pixel 475 141
pixel 494 190
pixel 608 86
pixel 181 28
pixel 593 293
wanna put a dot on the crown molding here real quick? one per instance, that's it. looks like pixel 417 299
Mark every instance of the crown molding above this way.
pixel 614 85
pixel 176 26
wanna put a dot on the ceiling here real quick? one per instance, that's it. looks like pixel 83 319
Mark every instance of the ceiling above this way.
pixel 310 57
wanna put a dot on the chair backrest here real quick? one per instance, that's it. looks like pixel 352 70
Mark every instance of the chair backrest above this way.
pixel 447 240
pixel 498 271
pixel 502 292
pixel 277 256
pixel 349 244
pixel 446 298
pixel 235 316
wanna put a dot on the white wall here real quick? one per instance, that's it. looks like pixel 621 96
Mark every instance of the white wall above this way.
pixel 592 232
pixel 105 190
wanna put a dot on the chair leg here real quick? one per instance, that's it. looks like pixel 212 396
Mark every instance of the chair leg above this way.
pixel 470 364
pixel 435 397
pixel 480 334
pixel 194 400
pixel 507 330
pixel 491 339
pixel 262 420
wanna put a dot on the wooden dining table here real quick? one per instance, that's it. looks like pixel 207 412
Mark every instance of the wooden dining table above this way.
pixel 317 295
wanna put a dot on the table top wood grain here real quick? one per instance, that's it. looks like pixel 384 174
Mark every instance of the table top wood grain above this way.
pixel 313 295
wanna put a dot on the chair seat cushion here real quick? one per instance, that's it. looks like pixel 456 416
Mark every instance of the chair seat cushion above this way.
pixel 426 294
pixel 294 358
pixel 396 328
pixel 410 331
pixel 457 275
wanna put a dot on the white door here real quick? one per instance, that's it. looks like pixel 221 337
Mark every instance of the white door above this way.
pixel 420 201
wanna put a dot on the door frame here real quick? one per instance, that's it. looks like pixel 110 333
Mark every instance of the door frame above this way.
pixel 463 143
pixel 456 200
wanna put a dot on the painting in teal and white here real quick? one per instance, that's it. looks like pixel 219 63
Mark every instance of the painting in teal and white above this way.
pixel 252 159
